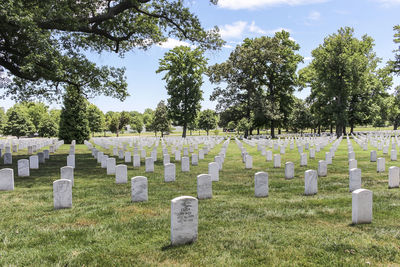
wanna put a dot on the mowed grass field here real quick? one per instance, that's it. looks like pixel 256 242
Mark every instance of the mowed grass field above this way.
pixel 235 229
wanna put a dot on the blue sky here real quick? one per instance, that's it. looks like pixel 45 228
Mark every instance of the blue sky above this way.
pixel 308 21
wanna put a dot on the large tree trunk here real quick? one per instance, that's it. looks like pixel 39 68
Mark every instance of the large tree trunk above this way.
pixel 339 129
pixel 207 132
pixel 395 126
pixel 344 130
pixel 184 130
pixel 279 131
pixel 246 133
pixel 331 128
pixel 251 131
pixel 117 133
pixel 258 131
pixel 351 128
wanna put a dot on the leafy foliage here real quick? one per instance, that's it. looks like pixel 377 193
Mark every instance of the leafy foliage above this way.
pixel 344 79
pixel 396 62
pixel 43 42
pixel 207 120
pixel 184 68
pixel 116 121
pixel 260 76
pixel 96 119
pixel 161 121
pixel 48 127
pixel 74 124
pixel 18 122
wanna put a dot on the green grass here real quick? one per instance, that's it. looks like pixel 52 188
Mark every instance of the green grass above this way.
pixel 235 229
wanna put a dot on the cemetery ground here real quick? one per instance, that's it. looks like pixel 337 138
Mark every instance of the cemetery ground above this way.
pixel 235 228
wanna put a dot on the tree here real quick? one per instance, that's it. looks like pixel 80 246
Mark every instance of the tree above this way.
pixel 43 43
pixel 207 120
pixel 243 125
pixel 137 124
pixel 300 118
pixel 18 122
pixel 48 127
pixel 260 77
pixel 74 124
pixel 396 62
pixel 184 68
pixel 394 110
pixel 161 121
pixel 96 119
pixel 116 121
pixel 3 119
pixel 344 79
pixel 36 111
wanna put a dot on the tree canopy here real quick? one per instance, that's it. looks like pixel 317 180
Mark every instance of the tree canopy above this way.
pixel 43 43
pixel 184 68
pixel 260 76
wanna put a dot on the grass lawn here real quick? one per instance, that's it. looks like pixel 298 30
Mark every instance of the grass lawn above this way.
pixel 235 229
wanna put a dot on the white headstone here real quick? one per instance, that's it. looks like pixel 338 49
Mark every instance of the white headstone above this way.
pixel 7 158
pixel 169 172
pixel 149 164
pixel 393 155
pixel 218 160
pixel 373 156
pixel 322 168
pixel 139 190
pixel 213 171
pixel 204 186
pixel 121 174
pixel 361 206
pixel 195 160
pixel 249 162
pixel 23 167
pixel 34 162
pixel 354 179
pixel 185 165
pixel 67 173
pixel 111 162
pixel 277 161
pixel 312 153
pixel 303 159
pixel 261 184
pixel 136 160
pixel 380 165
pixel 6 179
pixel 184 220
pixel 289 170
pixel 166 159
pixel 104 161
pixel 71 160
pixel 328 158
pixel 62 194
pixel 128 157
pixel 310 182
pixel 394 177
pixel 46 153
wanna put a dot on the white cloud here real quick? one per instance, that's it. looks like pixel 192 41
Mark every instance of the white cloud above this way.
pixel 389 3
pixel 314 15
pixel 240 28
pixel 172 43
pixel 234 30
pixel 252 4
pixel 255 29
pixel 227 46
pixel 307 58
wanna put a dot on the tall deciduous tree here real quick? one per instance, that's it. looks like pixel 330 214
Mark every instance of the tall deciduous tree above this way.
pixel 43 42
pixel 207 120
pixel 260 75
pixel 95 118
pixel 343 77
pixel 37 112
pixel 137 123
pixel 396 62
pixel 184 68
pixel 116 121
pixel 161 121
pixel 18 122
pixel 48 127
pixel 74 124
